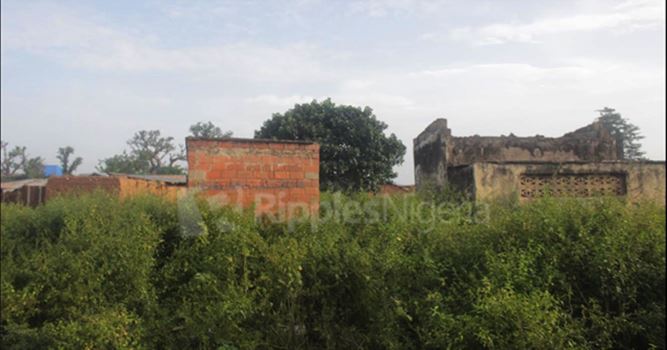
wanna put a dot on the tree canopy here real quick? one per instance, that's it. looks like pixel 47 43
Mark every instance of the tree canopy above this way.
pixel 63 156
pixel 355 153
pixel 16 163
pixel 208 130
pixel 625 132
pixel 150 153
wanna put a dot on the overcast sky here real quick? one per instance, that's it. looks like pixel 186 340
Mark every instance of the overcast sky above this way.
pixel 90 74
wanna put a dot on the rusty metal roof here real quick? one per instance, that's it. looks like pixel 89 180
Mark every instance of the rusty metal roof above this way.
pixel 9 186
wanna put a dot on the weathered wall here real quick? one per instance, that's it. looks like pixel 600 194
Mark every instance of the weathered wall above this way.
pixel 462 179
pixel 62 185
pixel 278 177
pixel 430 149
pixel 119 185
pixel 435 149
pixel 130 187
pixel 395 189
pixel 635 181
pixel 591 143
pixel 30 195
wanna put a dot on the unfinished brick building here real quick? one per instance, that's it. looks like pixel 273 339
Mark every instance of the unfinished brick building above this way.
pixel 279 178
pixel 582 163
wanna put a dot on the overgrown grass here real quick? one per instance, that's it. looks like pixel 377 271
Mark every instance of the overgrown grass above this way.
pixel 95 272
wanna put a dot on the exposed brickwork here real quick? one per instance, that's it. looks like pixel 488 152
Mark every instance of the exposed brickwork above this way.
pixel 63 185
pixel 130 187
pixel 278 177
pixel 120 185
pixel 396 189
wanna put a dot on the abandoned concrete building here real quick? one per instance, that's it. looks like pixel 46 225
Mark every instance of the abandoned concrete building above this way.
pixel 583 163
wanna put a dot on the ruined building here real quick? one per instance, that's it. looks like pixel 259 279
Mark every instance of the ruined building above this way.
pixel 583 163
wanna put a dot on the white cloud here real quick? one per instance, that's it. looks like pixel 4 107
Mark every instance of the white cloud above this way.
pixel 279 101
pixel 238 83
pixel 627 16
pixel 75 41
pixel 382 8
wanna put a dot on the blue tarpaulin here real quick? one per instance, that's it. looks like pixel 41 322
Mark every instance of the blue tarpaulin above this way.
pixel 53 170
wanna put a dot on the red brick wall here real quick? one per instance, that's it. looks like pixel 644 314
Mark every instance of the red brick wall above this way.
pixel 278 177
pixel 120 185
pixel 60 185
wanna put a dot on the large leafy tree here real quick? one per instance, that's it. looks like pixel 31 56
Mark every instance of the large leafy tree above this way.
pixel 625 132
pixel 150 153
pixel 63 156
pixel 16 163
pixel 355 153
pixel 208 130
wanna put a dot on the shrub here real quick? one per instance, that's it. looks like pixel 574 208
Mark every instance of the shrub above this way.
pixel 372 272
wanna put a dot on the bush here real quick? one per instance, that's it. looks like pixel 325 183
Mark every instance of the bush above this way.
pixel 400 273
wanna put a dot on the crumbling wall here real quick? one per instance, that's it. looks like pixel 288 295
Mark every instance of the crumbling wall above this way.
pixel 119 185
pixel 279 178
pixel 131 187
pixel 436 150
pixel 430 154
pixel 591 143
pixel 634 180
pixel 461 179
pixel 66 185
pixel 30 194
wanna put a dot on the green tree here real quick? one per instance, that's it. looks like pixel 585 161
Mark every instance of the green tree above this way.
pixel 12 160
pixel 17 159
pixel 150 153
pixel 208 130
pixel 34 168
pixel 63 156
pixel 626 133
pixel 355 153
pixel 123 163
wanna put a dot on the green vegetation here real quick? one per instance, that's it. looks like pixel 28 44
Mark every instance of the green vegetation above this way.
pixel 208 130
pixel 355 153
pixel 626 133
pixel 63 156
pixel 150 153
pixel 16 164
pixel 97 273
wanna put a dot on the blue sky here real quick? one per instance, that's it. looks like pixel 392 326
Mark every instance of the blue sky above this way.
pixel 90 74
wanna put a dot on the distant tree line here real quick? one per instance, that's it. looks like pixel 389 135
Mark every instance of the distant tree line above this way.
pixel 17 163
pixel 355 152
pixel 152 153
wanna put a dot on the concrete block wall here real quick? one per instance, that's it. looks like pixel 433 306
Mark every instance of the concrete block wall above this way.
pixel 280 178
pixel 436 150
pixel 641 180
